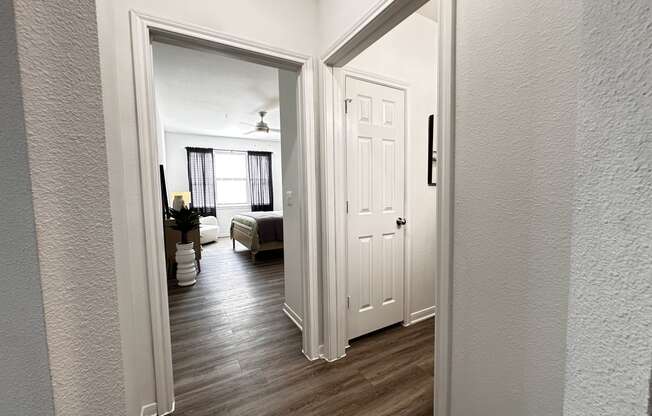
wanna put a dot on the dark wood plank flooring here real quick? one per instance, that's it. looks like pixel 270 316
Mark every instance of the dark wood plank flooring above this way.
pixel 236 353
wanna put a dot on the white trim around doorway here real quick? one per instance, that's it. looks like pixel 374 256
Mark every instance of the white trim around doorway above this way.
pixel 445 205
pixel 143 28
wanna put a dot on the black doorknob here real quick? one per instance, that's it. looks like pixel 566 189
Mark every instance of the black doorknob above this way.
pixel 401 221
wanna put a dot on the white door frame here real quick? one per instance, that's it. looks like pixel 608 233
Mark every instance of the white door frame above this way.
pixel 445 205
pixel 143 27
pixel 378 21
pixel 340 75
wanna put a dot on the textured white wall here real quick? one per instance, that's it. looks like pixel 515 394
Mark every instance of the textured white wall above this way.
pixel 59 69
pixel 287 24
pixel 610 313
pixel 25 387
pixel 391 56
pixel 516 104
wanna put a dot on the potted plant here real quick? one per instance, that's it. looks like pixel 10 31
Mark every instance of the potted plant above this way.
pixel 185 220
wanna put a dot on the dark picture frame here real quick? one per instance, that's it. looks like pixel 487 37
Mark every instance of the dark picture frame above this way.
pixel 432 153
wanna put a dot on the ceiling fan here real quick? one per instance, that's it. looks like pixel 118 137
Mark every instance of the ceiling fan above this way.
pixel 261 126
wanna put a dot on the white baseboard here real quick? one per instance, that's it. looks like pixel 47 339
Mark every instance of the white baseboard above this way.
pixel 309 358
pixel 152 410
pixel 332 360
pixel 322 354
pixel 294 317
pixel 169 412
pixel 421 315
pixel 149 410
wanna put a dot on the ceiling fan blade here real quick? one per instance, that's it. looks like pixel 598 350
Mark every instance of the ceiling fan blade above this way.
pixel 275 130
pixel 250 132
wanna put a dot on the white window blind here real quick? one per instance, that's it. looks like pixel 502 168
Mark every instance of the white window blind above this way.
pixel 231 184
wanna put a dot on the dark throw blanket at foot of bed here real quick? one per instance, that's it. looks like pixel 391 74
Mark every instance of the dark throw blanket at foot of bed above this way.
pixel 270 225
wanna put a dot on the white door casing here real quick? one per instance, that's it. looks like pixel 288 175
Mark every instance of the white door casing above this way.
pixel 143 27
pixel 375 147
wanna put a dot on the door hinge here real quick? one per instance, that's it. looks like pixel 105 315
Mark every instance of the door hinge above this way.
pixel 347 101
pixel 347 207
pixel 348 302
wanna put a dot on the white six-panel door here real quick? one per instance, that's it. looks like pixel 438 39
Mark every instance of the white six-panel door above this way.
pixel 375 147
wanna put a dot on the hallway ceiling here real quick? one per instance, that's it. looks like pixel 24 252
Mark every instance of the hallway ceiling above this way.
pixel 202 92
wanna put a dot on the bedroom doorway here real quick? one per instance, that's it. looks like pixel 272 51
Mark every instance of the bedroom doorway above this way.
pixel 226 133
pixel 228 128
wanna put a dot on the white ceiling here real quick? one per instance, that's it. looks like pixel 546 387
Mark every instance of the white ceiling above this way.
pixel 429 10
pixel 203 92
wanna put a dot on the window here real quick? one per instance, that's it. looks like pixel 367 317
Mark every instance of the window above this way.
pixel 231 184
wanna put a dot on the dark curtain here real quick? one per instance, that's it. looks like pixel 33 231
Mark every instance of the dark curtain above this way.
pixel 260 181
pixel 201 180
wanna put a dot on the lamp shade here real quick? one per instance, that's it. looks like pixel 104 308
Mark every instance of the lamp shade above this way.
pixel 185 195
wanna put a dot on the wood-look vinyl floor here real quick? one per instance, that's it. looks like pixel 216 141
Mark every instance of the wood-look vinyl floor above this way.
pixel 236 353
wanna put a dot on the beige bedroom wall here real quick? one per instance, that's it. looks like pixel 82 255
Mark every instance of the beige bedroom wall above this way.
pixel 176 168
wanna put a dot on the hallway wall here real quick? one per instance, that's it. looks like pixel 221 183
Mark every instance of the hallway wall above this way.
pixel 552 196
pixel 67 171
pixel 610 312
pixel 516 110
pixel 25 387
pixel 517 114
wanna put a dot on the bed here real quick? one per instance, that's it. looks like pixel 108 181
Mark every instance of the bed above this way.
pixel 258 231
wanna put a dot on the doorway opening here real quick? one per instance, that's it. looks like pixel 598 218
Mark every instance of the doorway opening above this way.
pixel 432 163
pixel 389 105
pixel 227 139
pixel 380 114
pixel 232 168
pixel 384 151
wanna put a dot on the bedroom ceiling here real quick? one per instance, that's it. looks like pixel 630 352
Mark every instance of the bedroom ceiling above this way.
pixel 202 92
